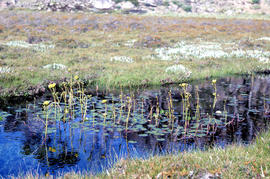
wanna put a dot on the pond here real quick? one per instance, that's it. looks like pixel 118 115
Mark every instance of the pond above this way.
pixel 76 131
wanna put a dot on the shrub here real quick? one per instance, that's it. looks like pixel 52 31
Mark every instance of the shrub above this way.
pixel 135 2
pixel 255 1
pixel 187 8
pixel 177 3
pixel 117 1
pixel 166 3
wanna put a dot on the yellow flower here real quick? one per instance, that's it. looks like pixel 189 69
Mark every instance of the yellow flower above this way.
pixel 66 111
pixel 104 101
pixel 183 85
pixel 52 149
pixel 46 103
pixel 69 70
pixel 52 85
pixel 76 77
pixel 187 95
pixel 214 81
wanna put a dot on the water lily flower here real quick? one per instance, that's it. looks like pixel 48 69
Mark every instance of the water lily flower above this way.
pixel 52 85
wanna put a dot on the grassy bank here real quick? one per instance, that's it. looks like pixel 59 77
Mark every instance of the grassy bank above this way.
pixel 124 50
pixel 231 162
pixel 234 161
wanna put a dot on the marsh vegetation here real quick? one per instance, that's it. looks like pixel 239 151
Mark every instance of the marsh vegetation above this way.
pixel 37 48
pixel 104 88
pixel 72 130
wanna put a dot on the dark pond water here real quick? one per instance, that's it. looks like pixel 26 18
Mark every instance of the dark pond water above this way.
pixel 147 122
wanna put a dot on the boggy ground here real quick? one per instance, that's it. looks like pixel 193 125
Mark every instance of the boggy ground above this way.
pixel 233 162
pixel 108 51
pixel 126 50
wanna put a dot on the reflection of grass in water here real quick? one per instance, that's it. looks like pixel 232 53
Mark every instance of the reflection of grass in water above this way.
pixel 236 161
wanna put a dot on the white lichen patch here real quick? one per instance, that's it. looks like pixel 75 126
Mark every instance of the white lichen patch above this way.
pixel 257 54
pixel 5 70
pixel 178 69
pixel 55 66
pixel 204 50
pixel 122 59
pixel 130 43
pixel 23 44
pixel 264 60
pixel 264 38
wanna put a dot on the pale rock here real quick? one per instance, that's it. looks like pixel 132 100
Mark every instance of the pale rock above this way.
pixel 103 4
pixel 126 5
pixel 55 66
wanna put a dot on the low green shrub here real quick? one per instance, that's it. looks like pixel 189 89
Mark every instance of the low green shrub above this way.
pixel 166 3
pixel 177 3
pixel 135 2
pixel 255 1
pixel 187 8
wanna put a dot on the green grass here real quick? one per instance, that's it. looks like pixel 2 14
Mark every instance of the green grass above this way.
pixel 93 63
